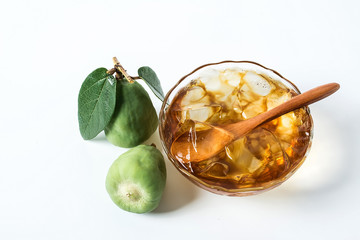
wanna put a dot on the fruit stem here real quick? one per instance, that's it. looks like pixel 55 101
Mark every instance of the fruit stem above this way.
pixel 120 68
pixel 111 71
pixel 118 76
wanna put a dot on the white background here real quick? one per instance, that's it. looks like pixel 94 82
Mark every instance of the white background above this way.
pixel 52 181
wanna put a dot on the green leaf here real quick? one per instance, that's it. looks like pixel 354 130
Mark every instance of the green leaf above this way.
pixel 96 103
pixel 149 76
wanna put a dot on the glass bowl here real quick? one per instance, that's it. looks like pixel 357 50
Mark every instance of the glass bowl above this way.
pixel 293 151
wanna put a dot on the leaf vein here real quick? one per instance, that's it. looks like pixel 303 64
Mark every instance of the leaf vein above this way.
pixel 101 92
pixel 88 88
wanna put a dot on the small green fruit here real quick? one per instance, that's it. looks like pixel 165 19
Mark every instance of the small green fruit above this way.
pixel 136 180
pixel 134 119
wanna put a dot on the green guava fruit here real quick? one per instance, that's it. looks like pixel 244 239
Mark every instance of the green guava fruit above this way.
pixel 134 119
pixel 136 180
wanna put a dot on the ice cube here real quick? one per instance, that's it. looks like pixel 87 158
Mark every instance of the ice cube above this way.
pixel 288 120
pixel 264 145
pixel 257 83
pixel 231 77
pixel 245 94
pixel 215 170
pixel 253 109
pixel 216 85
pixel 194 95
pixel 245 161
pixel 199 112
pixel 237 106
pixel 287 125
pixel 235 149
pixel 255 164
pixel 224 93
pixel 211 78
pixel 277 98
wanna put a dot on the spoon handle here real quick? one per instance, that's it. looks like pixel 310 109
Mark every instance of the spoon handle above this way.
pixel 301 100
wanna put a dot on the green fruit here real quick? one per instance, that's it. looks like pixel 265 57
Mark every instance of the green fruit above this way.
pixel 136 180
pixel 134 119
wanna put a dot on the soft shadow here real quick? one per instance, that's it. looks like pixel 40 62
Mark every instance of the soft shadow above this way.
pixel 329 165
pixel 100 138
pixel 178 190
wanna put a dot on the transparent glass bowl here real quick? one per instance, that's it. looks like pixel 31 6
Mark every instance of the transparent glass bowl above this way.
pixel 166 135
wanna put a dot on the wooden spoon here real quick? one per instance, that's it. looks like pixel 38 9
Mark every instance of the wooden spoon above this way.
pixel 201 145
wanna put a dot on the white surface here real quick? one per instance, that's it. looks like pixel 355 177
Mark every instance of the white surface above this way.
pixel 52 181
